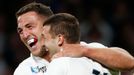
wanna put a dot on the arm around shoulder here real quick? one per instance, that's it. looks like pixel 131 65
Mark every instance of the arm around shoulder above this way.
pixel 114 57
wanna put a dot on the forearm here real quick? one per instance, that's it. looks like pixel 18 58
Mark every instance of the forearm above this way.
pixel 114 58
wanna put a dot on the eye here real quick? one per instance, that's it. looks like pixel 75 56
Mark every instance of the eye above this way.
pixel 29 26
pixel 19 30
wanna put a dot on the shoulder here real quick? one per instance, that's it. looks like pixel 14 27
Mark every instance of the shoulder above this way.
pixel 58 66
pixel 60 63
pixel 60 60
pixel 23 67
pixel 65 62
pixel 26 62
pixel 93 44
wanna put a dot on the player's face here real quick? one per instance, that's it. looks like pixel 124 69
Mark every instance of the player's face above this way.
pixel 50 43
pixel 30 26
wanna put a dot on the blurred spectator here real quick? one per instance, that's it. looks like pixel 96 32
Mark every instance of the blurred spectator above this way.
pixel 96 29
pixel 126 36
pixel 2 32
pixel 120 14
pixel 122 19
pixel 3 65
pixel 4 69
pixel 75 7
pixel 127 33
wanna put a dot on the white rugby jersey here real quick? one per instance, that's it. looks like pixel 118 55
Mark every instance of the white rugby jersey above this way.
pixel 38 66
pixel 32 66
pixel 75 66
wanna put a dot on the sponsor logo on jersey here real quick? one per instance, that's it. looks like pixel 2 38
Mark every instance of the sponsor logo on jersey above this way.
pixel 38 69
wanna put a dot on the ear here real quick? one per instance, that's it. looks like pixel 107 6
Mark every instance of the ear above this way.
pixel 60 40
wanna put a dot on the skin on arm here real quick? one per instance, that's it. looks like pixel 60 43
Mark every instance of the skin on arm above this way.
pixel 114 57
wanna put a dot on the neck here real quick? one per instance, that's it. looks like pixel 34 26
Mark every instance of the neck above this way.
pixel 70 46
pixel 47 57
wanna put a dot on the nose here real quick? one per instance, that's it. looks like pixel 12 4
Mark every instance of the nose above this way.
pixel 25 34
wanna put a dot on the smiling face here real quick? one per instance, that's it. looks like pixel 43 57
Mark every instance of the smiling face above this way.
pixel 59 30
pixel 51 43
pixel 30 26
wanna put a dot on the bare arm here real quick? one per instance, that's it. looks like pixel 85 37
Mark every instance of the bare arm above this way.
pixel 114 57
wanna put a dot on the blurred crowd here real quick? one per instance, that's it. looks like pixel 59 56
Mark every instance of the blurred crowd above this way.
pixel 108 22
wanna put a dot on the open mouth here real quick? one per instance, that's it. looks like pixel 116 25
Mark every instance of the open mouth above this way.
pixel 32 42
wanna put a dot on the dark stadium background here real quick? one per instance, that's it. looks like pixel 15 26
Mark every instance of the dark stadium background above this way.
pixel 110 22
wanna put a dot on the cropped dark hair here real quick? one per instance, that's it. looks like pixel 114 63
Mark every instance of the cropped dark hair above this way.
pixel 36 7
pixel 65 24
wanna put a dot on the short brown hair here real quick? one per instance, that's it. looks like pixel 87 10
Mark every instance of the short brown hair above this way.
pixel 36 7
pixel 65 24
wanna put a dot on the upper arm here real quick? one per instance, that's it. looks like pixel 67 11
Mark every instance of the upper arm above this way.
pixel 120 50
pixel 104 55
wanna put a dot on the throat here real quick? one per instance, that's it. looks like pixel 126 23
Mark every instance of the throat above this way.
pixel 47 57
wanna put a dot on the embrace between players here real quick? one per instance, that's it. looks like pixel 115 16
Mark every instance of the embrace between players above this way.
pixel 56 38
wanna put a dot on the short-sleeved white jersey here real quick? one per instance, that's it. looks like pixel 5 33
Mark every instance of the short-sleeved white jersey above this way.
pixel 77 66
pixel 38 66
